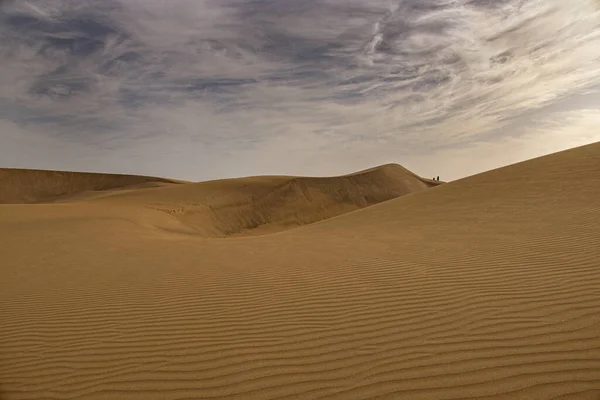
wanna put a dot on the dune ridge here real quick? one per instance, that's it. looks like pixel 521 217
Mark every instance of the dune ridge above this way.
pixel 261 205
pixel 221 208
pixel 483 288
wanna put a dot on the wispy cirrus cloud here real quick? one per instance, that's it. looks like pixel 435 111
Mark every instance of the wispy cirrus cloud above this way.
pixel 205 89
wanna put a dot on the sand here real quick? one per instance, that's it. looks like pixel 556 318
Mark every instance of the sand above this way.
pixel 375 285
pixel 37 186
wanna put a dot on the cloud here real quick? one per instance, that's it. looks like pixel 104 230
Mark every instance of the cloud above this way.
pixel 282 86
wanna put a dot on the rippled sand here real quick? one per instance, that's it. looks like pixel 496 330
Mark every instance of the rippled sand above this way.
pixel 369 286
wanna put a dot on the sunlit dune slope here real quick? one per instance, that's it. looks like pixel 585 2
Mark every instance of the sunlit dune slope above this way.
pixel 482 288
pixel 266 204
pixel 39 186
pixel 540 192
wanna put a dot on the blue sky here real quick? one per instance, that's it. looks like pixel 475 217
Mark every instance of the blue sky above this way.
pixel 211 89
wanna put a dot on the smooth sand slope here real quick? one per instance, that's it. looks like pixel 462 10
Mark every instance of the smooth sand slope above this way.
pixel 487 287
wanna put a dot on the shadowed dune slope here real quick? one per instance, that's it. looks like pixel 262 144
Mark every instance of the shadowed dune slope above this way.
pixel 267 204
pixel 483 288
pixel 39 186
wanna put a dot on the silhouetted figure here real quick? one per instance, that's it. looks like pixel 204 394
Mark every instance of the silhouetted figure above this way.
pixel 438 178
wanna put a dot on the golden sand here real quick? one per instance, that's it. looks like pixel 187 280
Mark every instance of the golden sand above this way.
pixel 375 285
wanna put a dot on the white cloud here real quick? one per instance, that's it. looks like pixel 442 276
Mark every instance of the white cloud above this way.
pixel 285 86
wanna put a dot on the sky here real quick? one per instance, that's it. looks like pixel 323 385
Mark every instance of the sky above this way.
pixel 209 89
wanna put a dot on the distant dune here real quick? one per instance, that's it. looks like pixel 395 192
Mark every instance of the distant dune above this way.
pixel 253 205
pixel 39 186
pixel 259 205
pixel 481 288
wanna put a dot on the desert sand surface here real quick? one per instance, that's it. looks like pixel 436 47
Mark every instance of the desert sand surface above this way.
pixel 374 285
pixel 39 186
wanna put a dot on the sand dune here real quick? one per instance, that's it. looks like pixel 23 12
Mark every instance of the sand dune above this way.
pixel 481 288
pixel 38 186
pixel 244 206
pixel 267 204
